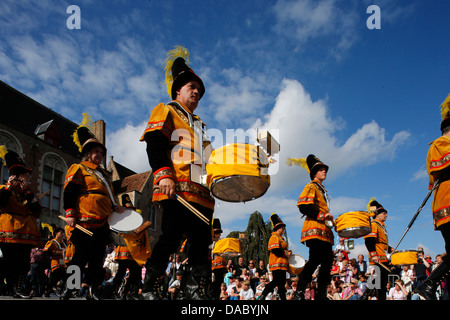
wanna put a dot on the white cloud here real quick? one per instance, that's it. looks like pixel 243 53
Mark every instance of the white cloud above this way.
pixel 306 127
pixel 126 148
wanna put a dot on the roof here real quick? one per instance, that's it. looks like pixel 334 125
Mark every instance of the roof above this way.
pixel 135 182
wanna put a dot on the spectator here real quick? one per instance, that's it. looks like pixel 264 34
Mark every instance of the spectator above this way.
pixel 341 248
pixel 398 292
pixel 334 269
pixel 352 292
pixel 346 272
pixel 310 291
pixel 362 283
pixel 421 268
pixel 232 285
pixel 407 276
pixel 236 290
pixel 174 288
pixel 246 292
pixel 361 264
pixel 261 286
pixel 223 292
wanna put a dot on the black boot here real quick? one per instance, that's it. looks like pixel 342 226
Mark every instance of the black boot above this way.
pixel 152 285
pixel 197 284
pixel 427 290
pixel 19 289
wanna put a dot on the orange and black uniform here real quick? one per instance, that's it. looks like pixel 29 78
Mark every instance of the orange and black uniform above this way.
pixel 316 235
pixel 86 198
pixel 278 265
pixel 172 158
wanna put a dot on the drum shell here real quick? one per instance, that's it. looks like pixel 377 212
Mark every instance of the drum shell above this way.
pixel 296 268
pixel 405 257
pixel 228 247
pixel 353 224
pixel 238 172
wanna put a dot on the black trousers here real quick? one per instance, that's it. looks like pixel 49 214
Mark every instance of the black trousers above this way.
pixel 15 262
pixel 179 222
pixel 320 253
pixel 278 280
pixel 90 250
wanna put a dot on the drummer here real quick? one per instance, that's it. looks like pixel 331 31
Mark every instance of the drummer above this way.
pixel 316 232
pixel 87 202
pixel 377 245
pixel 278 259
pixel 173 153
pixel 219 264
pixel 438 167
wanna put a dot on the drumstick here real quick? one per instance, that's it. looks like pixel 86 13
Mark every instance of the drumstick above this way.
pixel 190 207
pixel 79 227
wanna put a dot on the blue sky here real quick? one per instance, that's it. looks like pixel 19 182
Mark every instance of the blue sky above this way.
pixel 365 101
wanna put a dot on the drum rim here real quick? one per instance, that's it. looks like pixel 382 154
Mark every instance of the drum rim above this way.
pixel 112 228
pixel 355 228
pixel 402 251
pixel 238 175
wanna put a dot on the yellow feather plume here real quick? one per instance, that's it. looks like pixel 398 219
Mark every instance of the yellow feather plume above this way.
pixel 86 122
pixel 445 108
pixel 3 152
pixel 368 207
pixel 301 162
pixel 172 55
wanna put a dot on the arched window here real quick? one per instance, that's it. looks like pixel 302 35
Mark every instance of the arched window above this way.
pixel 12 144
pixel 53 171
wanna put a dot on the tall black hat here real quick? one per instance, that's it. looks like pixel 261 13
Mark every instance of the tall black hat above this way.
pixel 178 72
pixel 379 208
pixel 314 164
pixel 216 226
pixel 126 201
pixel 13 162
pixel 84 138
pixel 276 221
pixel 445 113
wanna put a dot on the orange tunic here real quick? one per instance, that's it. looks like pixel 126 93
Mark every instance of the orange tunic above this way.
pixel 184 151
pixel 438 159
pixel 94 204
pixel 315 227
pixel 275 262
pixel 18 224
pixel 380 234
pixel 56 251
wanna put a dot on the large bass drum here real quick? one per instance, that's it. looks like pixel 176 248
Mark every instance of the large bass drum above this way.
pixel 353 224
pixel 238 172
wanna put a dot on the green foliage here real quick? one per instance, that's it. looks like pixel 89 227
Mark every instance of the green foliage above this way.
pixel 254 245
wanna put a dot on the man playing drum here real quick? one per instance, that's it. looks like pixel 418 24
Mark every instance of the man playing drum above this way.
pixel 377 245
pixel 172 135
pixel 316 234
pixel 438 168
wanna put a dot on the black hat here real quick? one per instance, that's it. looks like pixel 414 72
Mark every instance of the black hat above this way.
pixel 126 201
pixel 13 161
pixel 314 164
pixel 379 207
pixel 178 72
pixel 217 227
pixel 445 113
pixel 84 138
pixel 276 221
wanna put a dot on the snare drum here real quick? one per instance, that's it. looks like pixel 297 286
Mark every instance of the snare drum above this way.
pixel 228 247
pixel 296 264
pixel 353 224
pixel 125 222
pixel 238 172
pixel 405 257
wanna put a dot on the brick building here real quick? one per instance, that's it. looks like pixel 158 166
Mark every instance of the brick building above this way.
pixel 43 138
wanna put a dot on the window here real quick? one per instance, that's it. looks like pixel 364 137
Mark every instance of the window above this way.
pixel 52 182
pixel 12 144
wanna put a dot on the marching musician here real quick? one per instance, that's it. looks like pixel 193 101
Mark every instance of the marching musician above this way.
pixel 56 249
pixel 19 231
pixel 316 233
pixel 88 201
pixel 278 259
pixel 175 148
pixel 219 264
pixel 377 245
pixel 438 168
